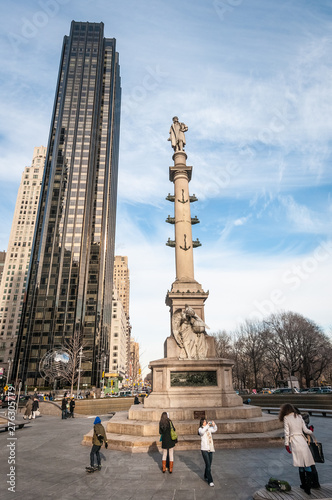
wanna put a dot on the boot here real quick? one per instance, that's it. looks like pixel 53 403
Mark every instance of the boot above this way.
pixel 170 467
pixel 315 481
pixel 308 481
pixel 302 478
pixel 164 465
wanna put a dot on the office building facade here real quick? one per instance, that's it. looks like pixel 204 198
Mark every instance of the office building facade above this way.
pixel 69 290
pixel 2 262
pixel 17 260
pixel 122 285
pixel 119 337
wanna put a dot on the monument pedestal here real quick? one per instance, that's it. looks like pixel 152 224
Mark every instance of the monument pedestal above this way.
pixel 189 383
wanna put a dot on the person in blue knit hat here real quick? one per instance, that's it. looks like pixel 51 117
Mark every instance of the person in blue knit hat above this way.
pixel 99 437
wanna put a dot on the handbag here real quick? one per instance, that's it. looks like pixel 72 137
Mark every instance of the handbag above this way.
pixel 174 435
pixel 316 450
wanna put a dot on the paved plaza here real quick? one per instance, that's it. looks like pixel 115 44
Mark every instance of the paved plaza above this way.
pixel 50 464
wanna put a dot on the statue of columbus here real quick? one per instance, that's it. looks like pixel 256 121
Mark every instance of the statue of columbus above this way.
pixel 176 135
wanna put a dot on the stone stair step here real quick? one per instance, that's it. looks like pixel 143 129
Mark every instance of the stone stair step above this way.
pixel 121 424
pixel 127 442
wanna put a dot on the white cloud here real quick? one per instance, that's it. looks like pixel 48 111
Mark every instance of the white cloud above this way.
pixel 301 218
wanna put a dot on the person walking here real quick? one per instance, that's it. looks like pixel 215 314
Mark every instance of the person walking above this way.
pixel 167 443
pixel 35 406
pixel 207 448
pixel 296 443
pixel 71 407
pixel 28 410
pixel 64 408
pixel 99 437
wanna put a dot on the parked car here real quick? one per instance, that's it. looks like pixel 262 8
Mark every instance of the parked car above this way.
pixel 5 399
pixel 286 390
pixel 125 394
pixel 319 390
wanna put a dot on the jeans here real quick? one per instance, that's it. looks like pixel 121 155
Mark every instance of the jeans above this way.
pixel 64 413
pixel 207 455
pixel 95 450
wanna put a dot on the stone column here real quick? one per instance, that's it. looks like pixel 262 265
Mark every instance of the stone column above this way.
pixel 184 258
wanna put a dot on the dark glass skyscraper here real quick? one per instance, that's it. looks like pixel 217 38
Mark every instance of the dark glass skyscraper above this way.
pixel 70 278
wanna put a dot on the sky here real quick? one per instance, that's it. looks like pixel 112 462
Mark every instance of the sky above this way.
pixel 252 80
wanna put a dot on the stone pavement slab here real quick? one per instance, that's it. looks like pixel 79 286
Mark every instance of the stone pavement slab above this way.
pixel 50 464
pixel 296 493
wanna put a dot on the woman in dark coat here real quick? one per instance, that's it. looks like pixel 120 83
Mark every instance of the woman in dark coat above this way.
pixel 167 443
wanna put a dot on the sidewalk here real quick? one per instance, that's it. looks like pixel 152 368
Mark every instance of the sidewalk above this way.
pixel 50 464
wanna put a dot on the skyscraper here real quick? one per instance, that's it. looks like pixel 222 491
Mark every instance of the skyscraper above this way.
pixel 122 285
pixel 122 280
pixel 17 261
pixel 119 337
pixel 69 289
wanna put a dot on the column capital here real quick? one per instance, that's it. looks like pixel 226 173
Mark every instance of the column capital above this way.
pixel 180 169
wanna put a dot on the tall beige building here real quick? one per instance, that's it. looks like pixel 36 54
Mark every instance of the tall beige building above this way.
pixel 17 260
pixel 2 262
pixel 134 364
pixel 122 286
pixel 118 341
pixel 122 281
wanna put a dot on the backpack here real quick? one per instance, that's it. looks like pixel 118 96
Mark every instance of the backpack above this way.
pixel 277 485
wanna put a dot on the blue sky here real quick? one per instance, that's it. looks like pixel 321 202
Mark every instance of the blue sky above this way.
pixel 252 80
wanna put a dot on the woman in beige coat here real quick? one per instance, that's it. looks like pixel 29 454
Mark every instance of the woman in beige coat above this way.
pixel 296 443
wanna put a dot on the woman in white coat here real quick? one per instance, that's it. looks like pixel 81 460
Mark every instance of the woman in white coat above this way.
pixel 207 448
pixel 296 443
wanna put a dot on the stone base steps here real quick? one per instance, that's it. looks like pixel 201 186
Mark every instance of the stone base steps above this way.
pixel 138 437
pixel 144 444
pixel 140 412
pixel 296 493
pixel 119 424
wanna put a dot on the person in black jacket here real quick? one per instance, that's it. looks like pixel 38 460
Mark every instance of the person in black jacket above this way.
pixel 64 407
pixel 167 443
pixel 35 406
pixel 71 407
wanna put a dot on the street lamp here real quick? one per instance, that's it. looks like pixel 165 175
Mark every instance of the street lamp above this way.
pixel 80 354
pixel 103 357
pixel 8 370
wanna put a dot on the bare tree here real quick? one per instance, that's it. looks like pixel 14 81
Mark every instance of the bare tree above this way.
pixel 282 345
pixel 298 345
pixel 223 342
pixel 73 346
pixel 250 332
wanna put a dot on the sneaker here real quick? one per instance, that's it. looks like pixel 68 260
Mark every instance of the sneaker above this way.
pixel 89 467
pixel 97 467
pixel 211 484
